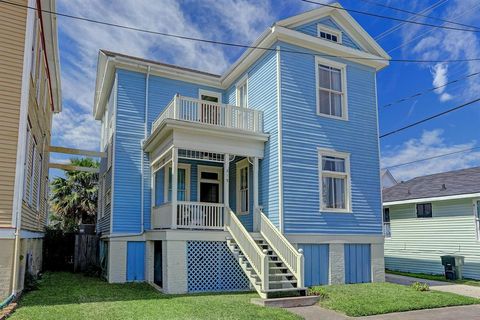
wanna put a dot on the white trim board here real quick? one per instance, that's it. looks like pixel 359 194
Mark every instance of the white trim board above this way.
pixel 418 200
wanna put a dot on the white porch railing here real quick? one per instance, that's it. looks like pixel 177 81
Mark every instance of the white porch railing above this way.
pixel 292 257
pixel 256 257
pixel 200 215
pixel 207 112
pixel 190 215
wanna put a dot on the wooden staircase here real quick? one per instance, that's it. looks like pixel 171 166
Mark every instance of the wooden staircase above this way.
pixel 272 277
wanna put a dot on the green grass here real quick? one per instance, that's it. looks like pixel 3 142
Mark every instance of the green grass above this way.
pixel 436 277
pixel 379 298
pixel 73 296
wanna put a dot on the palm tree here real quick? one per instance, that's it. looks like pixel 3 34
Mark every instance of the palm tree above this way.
pixel 73 199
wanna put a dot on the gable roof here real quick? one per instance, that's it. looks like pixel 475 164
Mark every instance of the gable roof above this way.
pixel 452 183
pixel 372 55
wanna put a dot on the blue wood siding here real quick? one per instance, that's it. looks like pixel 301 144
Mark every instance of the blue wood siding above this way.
pixel 262 95
pixel 316 265
pixel 135 261
pixel 358 265
pixel 304 132
pixel 311 29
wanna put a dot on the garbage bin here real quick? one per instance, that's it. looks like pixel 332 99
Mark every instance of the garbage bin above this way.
pixel 453 266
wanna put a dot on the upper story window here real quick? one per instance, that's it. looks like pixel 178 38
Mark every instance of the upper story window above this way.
pixel 424 210
pixel 329 34
pixel 242 93
pixel 334 181
pixel 331 89
pixel 387 232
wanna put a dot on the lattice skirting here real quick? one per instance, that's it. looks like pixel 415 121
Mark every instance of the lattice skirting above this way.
pixel 212 267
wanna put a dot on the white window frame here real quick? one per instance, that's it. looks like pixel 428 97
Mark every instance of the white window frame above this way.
pixel 27 162
pixel 166 178
pixel 219 171
pixel 333 153
pixel 476 218
pixel 389 223
pixel 326 29
pixel 343 76
pixel 243 82
pixel 241 165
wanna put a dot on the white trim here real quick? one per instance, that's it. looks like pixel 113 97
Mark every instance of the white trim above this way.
pixel 239 166
pixel 334 238
pixel 240 83
pixel 9 233
pixel 114 148
pixel 476 217
pixel 343 76
pixel 279 142
pixel 346 174
pixel 219 181
pixel 327 29
pixel 209 93
pixel 432 199
pixel 167 168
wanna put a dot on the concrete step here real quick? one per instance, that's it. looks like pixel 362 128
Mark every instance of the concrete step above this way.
pixel 289 302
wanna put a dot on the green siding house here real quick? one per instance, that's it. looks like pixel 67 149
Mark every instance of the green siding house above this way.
pixel 430 216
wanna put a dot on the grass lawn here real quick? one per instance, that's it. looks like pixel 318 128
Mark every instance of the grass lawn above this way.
pixel 378 298
pixel 436 277
pixel 73 296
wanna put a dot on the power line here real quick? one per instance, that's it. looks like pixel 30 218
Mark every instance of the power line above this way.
pixel 429 118
pixel 392 18
pixel 430 158
pixel 415 95
pixel 419 14
pixel 232 44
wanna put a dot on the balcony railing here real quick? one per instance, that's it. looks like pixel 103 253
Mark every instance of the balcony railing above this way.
pixel 190 215
pixel 211 113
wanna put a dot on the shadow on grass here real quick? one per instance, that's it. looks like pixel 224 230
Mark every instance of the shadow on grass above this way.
pixel 68 288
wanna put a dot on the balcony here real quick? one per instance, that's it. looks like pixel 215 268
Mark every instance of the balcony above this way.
pixel 211 114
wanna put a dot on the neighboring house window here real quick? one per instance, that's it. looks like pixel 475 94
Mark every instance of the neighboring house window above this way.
pixel 334 181
pixel 331 89
pixel 477 217
pixel 387 232
pixel 329 34
pixel 242 93
pixel 242 187
pixel 424 210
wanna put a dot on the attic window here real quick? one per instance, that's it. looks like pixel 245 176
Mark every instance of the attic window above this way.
pixel 329 34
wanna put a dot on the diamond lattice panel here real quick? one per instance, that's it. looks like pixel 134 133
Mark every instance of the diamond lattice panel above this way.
pixel 212 267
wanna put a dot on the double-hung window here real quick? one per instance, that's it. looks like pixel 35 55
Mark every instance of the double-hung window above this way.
pixel 331 89
pixel 387 232
pixel 242 93
pixel 424 210
pixel 334 181
pixel 242 187
pixel 183 184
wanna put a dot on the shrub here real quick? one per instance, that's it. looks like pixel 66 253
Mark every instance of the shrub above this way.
pixel 420 286
pixel 318 291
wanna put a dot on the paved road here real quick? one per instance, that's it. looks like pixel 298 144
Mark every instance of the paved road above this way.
pixel 451 313
pixel 461 289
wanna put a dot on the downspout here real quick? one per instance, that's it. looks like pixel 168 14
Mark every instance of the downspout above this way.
pixel 142 174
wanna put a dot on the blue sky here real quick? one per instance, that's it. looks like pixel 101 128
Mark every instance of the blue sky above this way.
pixel 242 21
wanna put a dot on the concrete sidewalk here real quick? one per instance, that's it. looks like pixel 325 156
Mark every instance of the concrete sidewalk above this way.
pixel 461 289
pixel 451 313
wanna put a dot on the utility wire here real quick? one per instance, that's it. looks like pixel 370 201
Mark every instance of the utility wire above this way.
pixel 392 18
pixel 429 118
pixel 415 95
pixel 430 158
pixel 232 44
pixel 419 14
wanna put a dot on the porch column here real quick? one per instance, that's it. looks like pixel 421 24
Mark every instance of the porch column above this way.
pixel 174 186
pixel 256 212
pixel 226 187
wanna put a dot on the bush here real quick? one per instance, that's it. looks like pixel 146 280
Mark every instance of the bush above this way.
pixel 420 286
pixel 318 291
pixel 31 282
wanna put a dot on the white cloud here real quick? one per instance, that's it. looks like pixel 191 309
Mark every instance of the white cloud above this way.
pixel 237 21
pixel 430 144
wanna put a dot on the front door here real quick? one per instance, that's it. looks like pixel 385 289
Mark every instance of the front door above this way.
pixel 210 182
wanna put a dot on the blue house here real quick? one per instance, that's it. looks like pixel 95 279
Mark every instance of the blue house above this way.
pixel 266 177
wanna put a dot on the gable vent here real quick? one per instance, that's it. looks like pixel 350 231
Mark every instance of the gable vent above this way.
pixel 329 34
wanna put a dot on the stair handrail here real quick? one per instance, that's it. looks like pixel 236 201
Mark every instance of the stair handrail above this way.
pixel 257 258
pixel 292 257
